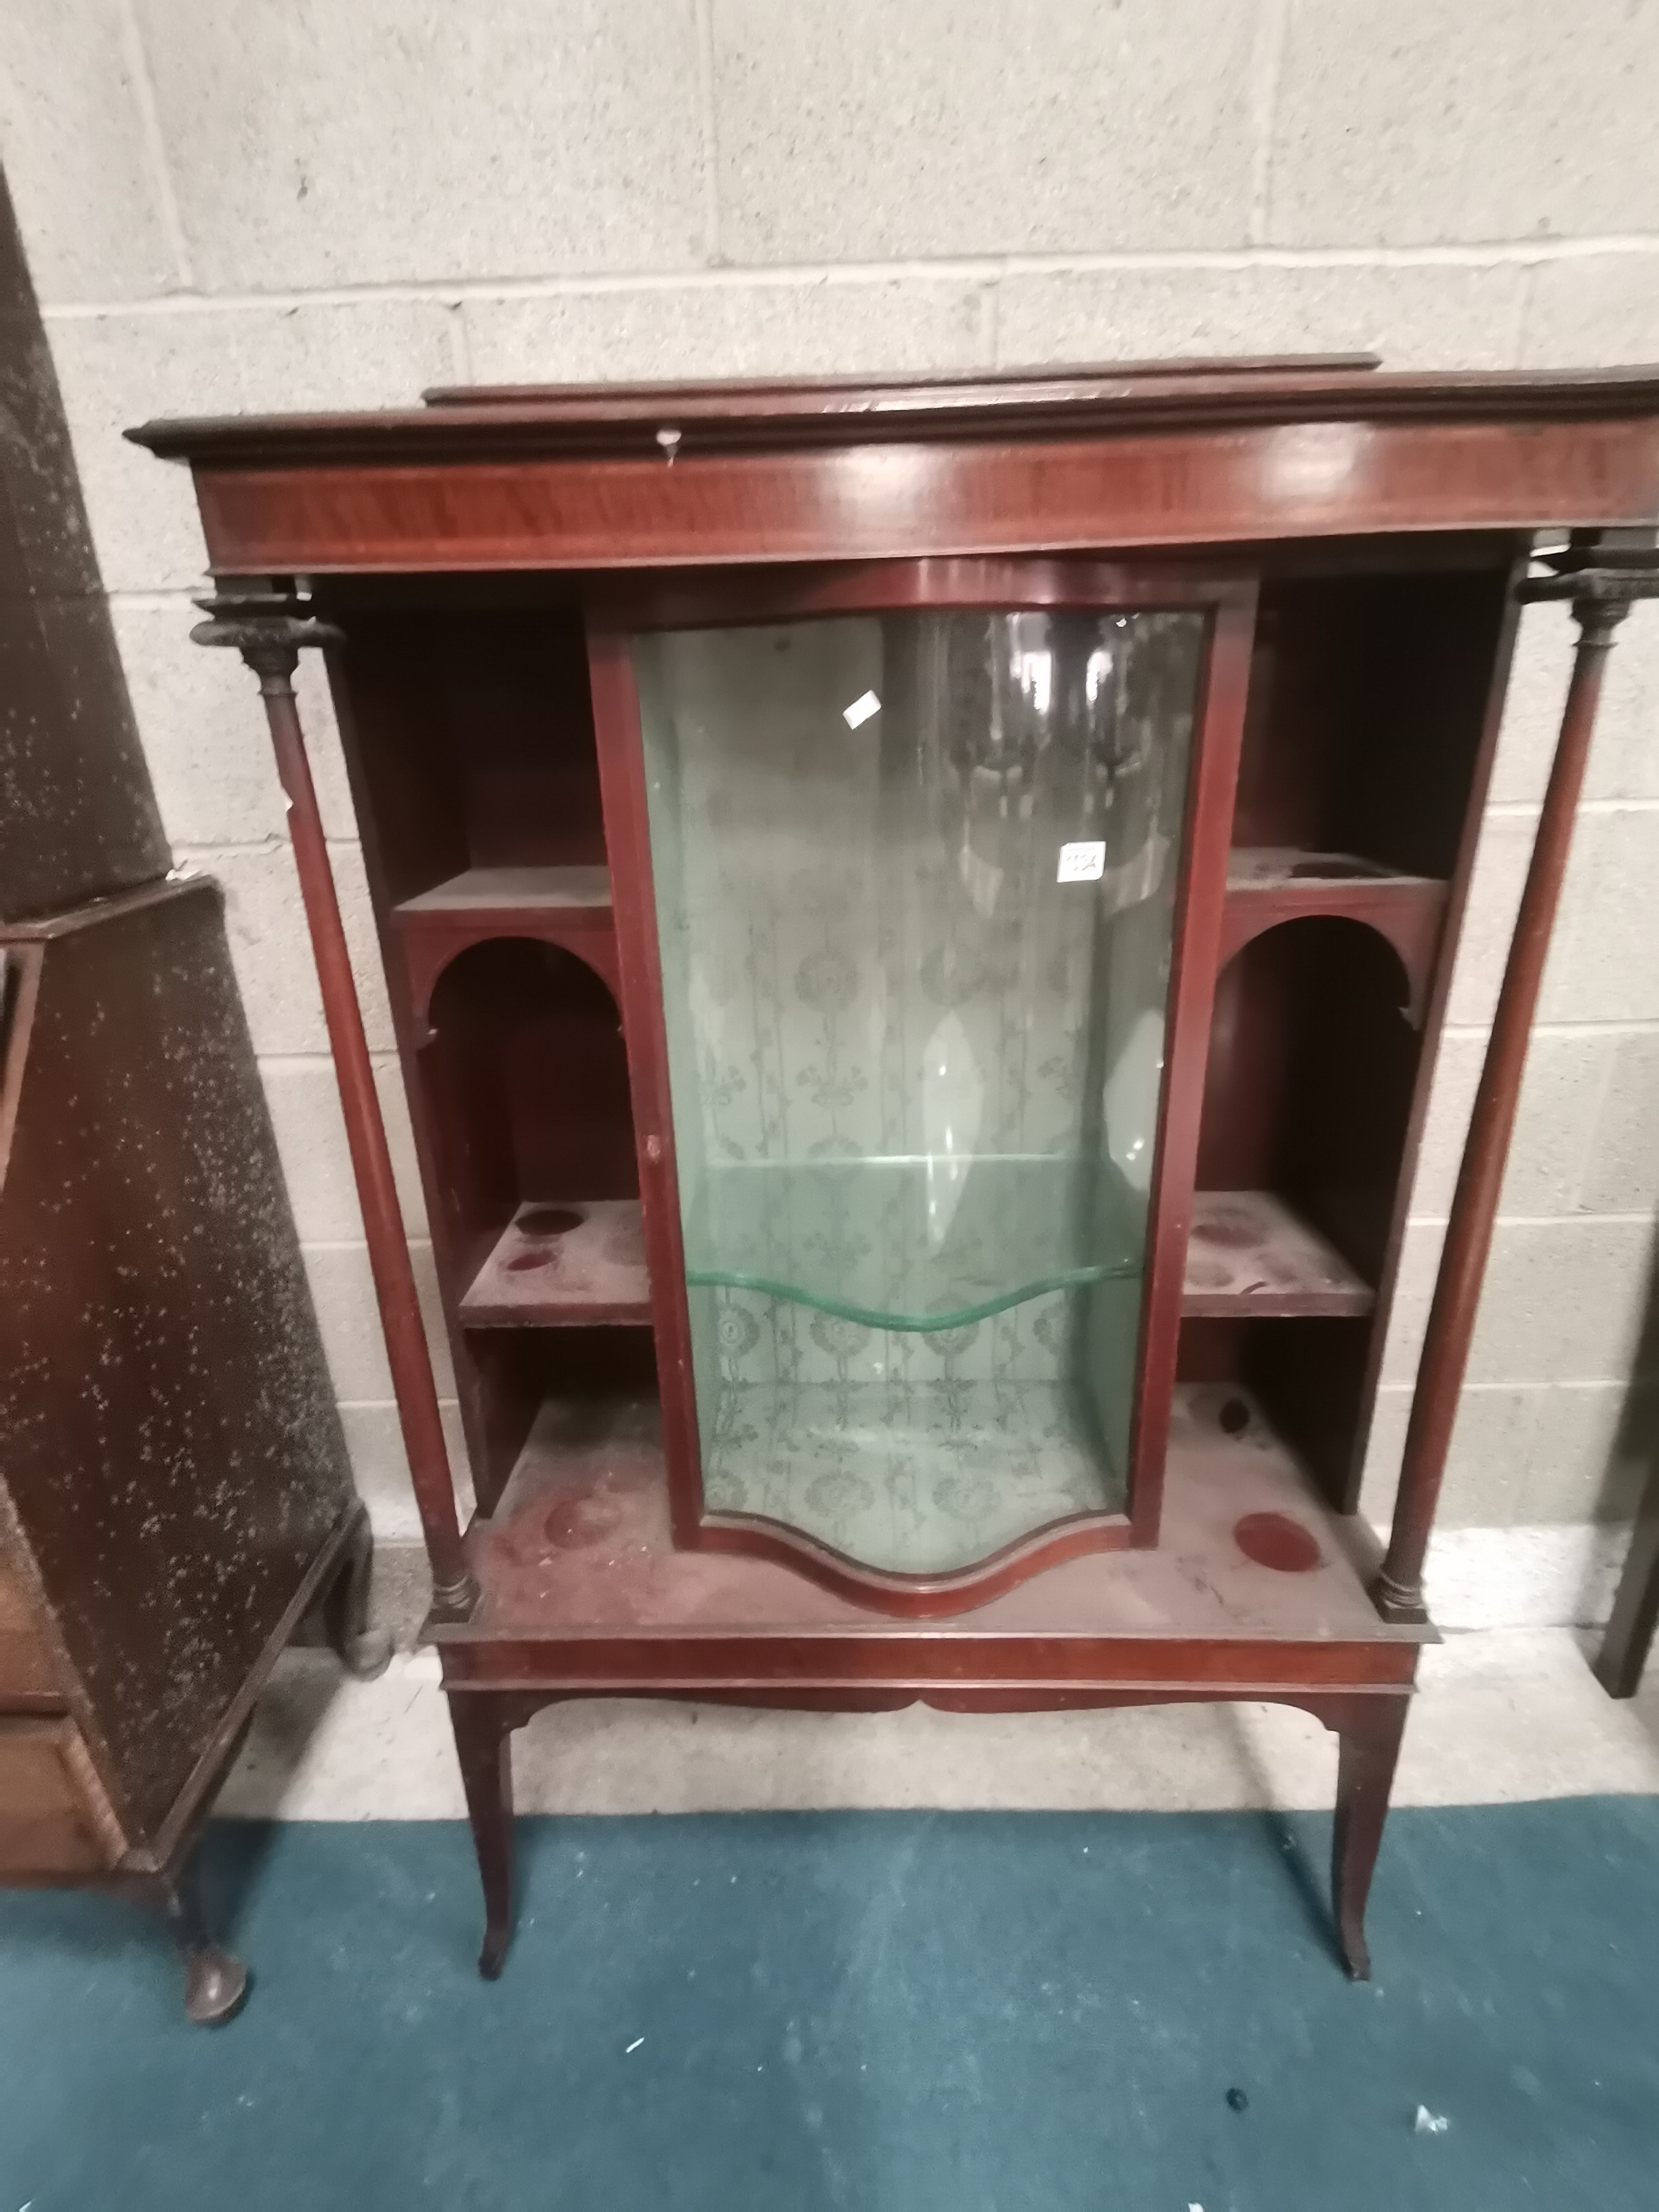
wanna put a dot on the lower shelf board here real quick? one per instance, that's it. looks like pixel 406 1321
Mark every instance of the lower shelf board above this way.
pixel 1254 1582
pixel 564 1265
pixel 1248 1253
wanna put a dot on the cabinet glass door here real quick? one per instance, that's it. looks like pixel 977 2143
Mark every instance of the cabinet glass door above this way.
pixel 916 880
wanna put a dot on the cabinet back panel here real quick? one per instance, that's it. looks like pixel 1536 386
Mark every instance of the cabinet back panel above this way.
pixel 1367 702
pixel 390 694
pixel 1308 1377
pixel 517 1372
pixel 1308 1089
pixel 527 1086
pixel 519 706
pixel 474 740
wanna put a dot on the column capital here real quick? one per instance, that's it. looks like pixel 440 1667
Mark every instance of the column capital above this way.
pixel 269 627
pixel 1602 578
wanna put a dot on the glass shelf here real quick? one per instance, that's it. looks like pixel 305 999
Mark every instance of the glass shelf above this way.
pixel 915 1245
pixel 916 879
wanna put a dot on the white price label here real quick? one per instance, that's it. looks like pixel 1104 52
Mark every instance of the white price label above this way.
pixel 861 709
pixel 1081 864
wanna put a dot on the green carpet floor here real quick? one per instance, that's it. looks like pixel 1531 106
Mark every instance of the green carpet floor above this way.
pixel 892 2012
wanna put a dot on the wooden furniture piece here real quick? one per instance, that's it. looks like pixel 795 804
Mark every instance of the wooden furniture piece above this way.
pixel 174 1488
pixel 174 1492
pixel 917 917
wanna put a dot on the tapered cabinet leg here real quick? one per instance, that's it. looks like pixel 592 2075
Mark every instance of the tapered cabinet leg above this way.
pixel 1369 1735
pixel 484 1742
pixel 364 1651
pixel 215 1984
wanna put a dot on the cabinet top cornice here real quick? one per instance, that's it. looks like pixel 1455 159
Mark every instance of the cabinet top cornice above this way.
pixel 529 421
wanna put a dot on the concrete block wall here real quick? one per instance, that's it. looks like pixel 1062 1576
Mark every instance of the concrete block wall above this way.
pixel 279 203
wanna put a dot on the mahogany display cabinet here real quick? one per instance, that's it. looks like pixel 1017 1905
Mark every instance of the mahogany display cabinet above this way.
pixel 917 917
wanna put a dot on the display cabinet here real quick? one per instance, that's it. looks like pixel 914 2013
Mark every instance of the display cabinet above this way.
pixel 917 918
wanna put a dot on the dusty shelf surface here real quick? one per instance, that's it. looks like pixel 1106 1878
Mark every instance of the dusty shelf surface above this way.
pixel 578 1261
pixel 492 890
pixel 1248 1253
pixel 579 1548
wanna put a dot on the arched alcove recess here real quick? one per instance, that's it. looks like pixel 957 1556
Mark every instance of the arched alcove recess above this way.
pixel 1308 1097
pixel 1265 890
pixel 1309 1080
pixel 525 1089
pixel 527 1081
pixel 568 908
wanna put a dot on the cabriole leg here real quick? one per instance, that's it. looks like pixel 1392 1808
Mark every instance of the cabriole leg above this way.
pixel 483 1743
pixel 364 1651
pixel 1369 1735
pixel 215 1984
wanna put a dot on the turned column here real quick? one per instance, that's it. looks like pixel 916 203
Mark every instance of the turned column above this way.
pixel 268 628
pixel 1601 584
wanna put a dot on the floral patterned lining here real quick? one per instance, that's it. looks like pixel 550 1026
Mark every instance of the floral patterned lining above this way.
pixel 868 959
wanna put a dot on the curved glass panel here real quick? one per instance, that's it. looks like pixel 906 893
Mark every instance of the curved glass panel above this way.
pixel 914 879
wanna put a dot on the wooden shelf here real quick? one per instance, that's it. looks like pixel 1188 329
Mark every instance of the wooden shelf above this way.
pixel 1316 876
pixel 509 894
pixel 1249 1255
pixel 1278 883
pixel 1267 884
pixel 567 907
pixel 564 1265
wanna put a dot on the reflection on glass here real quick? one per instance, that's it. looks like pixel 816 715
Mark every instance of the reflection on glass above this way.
pixel 915 1073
